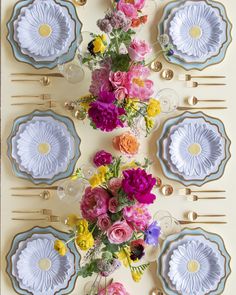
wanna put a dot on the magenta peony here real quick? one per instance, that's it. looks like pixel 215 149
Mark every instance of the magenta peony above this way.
pixel 138 184
pixel 120 232
pixel 94 203
pixel 137 216
pixel 102 158
pixel 114 289
pixel 138 50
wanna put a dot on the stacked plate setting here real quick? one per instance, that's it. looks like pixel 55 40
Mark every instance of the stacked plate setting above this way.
pixel 43 147
pixel 36 268
pixel 41 31
pixel 199 31
pixel 193 148
pixel 194 262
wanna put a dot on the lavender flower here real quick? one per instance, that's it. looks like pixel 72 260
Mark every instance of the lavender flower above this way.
pixel 104 25
pixel 118 20
pixel 152 234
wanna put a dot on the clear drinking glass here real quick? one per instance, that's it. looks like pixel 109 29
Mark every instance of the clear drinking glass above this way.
pixel 70 191
pixel 169 100
pixel 72 71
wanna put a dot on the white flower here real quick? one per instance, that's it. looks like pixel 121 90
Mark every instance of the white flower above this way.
pixel 194 268
pixel 44 29
pixel 41 268
pixel 196 30
pixel 196 150
pixel 43 148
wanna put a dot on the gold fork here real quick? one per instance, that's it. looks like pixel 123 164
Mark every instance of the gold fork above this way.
pixel 193 84
pixel 42 211
pixel 50 218
pixel 42 96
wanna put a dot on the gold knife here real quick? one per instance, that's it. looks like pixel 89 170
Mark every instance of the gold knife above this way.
pixel 201 108
pixel 58 75
pixel 201 222
pixel 33 187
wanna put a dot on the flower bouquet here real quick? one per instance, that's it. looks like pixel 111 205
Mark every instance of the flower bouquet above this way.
pixel 121 92
pixel 116 225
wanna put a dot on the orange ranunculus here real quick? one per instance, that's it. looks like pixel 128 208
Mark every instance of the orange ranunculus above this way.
pixel 126 143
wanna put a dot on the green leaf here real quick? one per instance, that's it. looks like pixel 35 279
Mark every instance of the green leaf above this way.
pixel 120 63
pixel 88 269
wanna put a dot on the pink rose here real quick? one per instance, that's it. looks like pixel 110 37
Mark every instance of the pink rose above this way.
pixel 113 204
pixel 114 185
pixel 118 79
pixel 121 93
pixel 119 232
pixel 94 203
pixel 138 50
pixel 128 9
pixel 114 289
pixel 104 222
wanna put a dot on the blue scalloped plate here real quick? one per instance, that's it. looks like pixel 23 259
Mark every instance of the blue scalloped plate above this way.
pixel 210 236
pixel 44 64
pixel 215 59
pixel 71 128
pixel 37 230
pixel 174 121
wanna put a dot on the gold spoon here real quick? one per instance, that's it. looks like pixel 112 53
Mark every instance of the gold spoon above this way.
pixel 80 2
pixel 189 77
pixel 191 84
pixel 192 100
pixel 167 190
pixel 188 191
pixel 45 195
pixel 50 218
pixel 43 211
pixel 42 96
pixel 45 81
pixel 194 216
pixel 156 66
pixel 157 292
pixel 167 74
pixel 195 198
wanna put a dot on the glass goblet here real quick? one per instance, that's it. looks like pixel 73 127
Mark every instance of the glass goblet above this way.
pixel 169 100
pixel 70 191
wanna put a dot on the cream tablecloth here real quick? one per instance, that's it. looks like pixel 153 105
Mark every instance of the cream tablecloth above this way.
pixel 92 140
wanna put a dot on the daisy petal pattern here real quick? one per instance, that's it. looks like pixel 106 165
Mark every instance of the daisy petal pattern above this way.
pixel 194 268
pixel 196 30
pixel 40 267
pixel 196 150
pixel 44 29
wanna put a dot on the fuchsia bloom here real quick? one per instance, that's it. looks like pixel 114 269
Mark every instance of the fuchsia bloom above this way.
pixel 127 8
pixel 94 203
pixel 120 232
pixel 137 216
pixel 114 289
pixel 102 158
pixel 138 184
pixel 138 50
pixel 139 86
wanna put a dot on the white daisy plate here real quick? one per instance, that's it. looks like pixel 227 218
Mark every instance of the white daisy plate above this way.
pixel 171 30
pixel 194 267
pixel 44 30
pixel 196 148
pixel 167 256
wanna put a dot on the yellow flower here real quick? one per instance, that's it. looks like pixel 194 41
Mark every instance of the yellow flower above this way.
pixel 71 220
pixel 99 44
pixel 129 165
pixel 153 108
pixel 102 171
pixel 136 276
pixel 124 256
pixel 149 123
pixel 95 180
pixel 85 241
pixel 60 247
pixel 82 226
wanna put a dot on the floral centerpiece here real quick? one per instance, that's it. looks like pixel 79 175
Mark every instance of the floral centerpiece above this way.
pixel 121 91
pixel 116 225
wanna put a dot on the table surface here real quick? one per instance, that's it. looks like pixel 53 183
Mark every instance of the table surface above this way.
pixel 93 140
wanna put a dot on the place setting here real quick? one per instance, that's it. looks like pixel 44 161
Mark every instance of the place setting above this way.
pixel 157 146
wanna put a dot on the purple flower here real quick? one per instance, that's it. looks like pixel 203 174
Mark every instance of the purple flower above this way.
pixel 102 158
pixel 104 25
pixel 106 96
pixel 152 234
pixel 118 20
pixel 138 184
pixel 105 116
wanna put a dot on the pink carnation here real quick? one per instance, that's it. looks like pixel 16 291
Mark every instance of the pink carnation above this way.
pixel 137 216
pixel 100 80
pixel 138 50
pixel 94 203
pixel 128 9
pixel 120 232
pixel 139 86
pixel 114 289
pixel 104 222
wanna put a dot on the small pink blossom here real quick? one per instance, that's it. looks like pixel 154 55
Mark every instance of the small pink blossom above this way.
pixel 127 8
pixel 112 205
pixel 121 93
pixel 120 232
pixel 139 4
pixel 138 50
pixel 118 79
pixel 137 216
pixel 104 222
pixel 114 289
pixel 115 185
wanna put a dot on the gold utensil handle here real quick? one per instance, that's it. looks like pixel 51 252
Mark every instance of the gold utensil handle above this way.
pixel 20 195
pixel 38 219
pixel 211 215
pixel 209 191
pixel 201 222
pixel 13 96
pixel 211 198
pixel 27 103
pixel 208 76
pixel 212 100
pixel 23 80
pixel 212 84
pixel 26 211
pixel 201 108
pixel 58 75
pixel 33 188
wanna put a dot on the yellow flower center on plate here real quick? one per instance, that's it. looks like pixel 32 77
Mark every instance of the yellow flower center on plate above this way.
pixel 195 32
pixel 193 266
pixel 194 149
pixel 44 264
pixel 44 148
pixel 45 30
